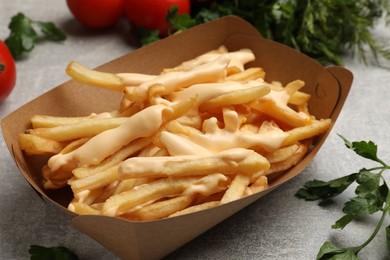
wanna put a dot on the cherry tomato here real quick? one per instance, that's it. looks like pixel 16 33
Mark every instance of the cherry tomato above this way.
pixel 7 71
pixel 96 14
pixel 151 14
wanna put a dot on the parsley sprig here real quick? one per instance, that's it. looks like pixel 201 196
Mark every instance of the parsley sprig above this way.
pixel 49 253
pixel 324 30
pixel 372 195
pixel 24 36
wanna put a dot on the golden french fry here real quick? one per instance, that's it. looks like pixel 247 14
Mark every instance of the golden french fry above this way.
pixel 82 208
pixel 81 129
pixel 44 121
pixel 33 144
pixel 288 162
pixel 299 98
pixel 88 197
pixel 316 127
pixel 126 185
pixel 195 208
pixel 248 74
pixel 96 78
pixel 231 161
pixel 165 187
pixel 259 185
pixel 282 113
pixel 232 70
pixel 235 97
pixel 114 159
pixel 208 72
pixel 74 145
pixel 134 79
pixel 201 59
pixel 236 188
pixel 160 209
pixel 294 86
pixel 282 153
pixel 97 180
pixel 191 121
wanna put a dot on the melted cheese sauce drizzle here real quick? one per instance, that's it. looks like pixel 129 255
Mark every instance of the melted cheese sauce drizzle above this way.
pixel 209 72
pixel 142 124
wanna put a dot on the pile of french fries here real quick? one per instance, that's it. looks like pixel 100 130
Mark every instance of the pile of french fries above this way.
pixel 204 133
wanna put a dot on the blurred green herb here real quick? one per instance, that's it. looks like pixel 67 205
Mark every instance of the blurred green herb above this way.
pixel 24 36
pixel 51 253
pixel 372 195
pixel 324 30
pixel 2 67
pixel 178 22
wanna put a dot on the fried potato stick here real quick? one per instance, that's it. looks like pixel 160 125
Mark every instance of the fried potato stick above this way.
pixel 231 161
pixel 165 187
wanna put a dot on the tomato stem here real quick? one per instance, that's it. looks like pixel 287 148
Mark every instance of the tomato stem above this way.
pixel 2 66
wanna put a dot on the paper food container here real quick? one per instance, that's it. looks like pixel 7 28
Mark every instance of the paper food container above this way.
pixel 328 87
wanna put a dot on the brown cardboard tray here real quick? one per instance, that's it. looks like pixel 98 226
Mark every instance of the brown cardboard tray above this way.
pixel 329 88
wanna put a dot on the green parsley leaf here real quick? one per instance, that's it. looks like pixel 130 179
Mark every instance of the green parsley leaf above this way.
pixel 147 37
pixel 51 253
pixel 342 222
pixel 372 196
pixel 388 238
pixel 2 66
pixel 23 35
pixel 356 207
pixel 51 31
pixel 320 190
pixel 368 182
pixel 329 251
pixel 179 22
pixel 365 149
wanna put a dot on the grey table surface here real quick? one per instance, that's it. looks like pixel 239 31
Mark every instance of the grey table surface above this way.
pixel 277 226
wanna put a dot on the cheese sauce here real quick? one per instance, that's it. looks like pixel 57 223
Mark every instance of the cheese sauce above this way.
pixel 208 72
pixel 142 124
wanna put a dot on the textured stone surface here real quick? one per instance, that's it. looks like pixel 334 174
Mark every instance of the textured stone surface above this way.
pixel 278 226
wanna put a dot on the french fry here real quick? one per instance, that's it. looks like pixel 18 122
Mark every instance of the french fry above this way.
pixel 81 129
pixel 232 161
pixel 165 187
pixel 236 188
pixel 259 185
pixel 44 121
pixel 160 209
pixel 91 77
pixel 293 87
pixel 74 145
pixel 208 72
pixel 82 208
pixel 97 180
pixel 248 74
pixel 282 153
pixel 32 144
pixel 289 161
pixel 195 208
pixel 299 98
pixel 281 113
pixel 235 97
pixel 114 159
pixel 301 133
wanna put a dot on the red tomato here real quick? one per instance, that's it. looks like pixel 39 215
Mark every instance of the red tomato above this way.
pixel 7 71
pixel 151 14
pixel 96 14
